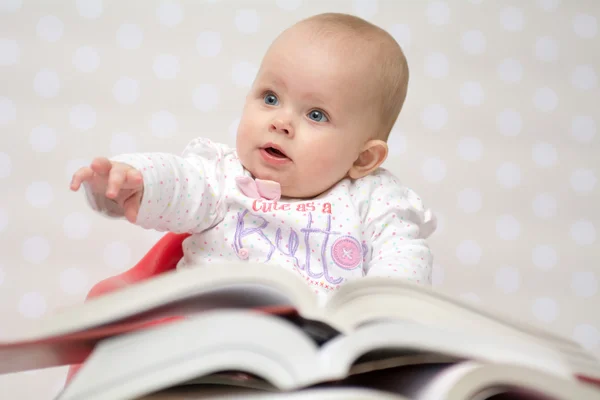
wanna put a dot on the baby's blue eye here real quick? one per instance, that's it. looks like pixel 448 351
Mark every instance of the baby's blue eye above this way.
pixel 317 116
pixel 271 100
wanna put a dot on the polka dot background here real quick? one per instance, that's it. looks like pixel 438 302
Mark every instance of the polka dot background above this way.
pixel 499 134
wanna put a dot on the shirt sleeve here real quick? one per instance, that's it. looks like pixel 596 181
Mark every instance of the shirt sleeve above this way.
pixel 397 225
pixel 181 193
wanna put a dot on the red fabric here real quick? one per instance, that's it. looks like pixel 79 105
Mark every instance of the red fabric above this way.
pixel 162 257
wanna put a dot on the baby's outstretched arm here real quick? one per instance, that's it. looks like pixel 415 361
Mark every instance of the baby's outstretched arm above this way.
pixel 160 191
pixel 118 182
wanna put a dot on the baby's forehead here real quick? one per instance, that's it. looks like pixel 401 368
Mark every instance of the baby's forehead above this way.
pixel 321 83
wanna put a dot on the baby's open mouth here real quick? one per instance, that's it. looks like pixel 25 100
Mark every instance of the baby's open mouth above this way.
pixel 275 153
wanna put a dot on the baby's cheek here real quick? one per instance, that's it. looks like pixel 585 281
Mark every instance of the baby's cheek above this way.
pixel 323 164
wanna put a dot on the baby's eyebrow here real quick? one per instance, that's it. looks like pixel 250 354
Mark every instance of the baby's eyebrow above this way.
pixel 315 98
pixel 273 81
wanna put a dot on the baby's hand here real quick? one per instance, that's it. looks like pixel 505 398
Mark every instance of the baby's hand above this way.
pixel 119 182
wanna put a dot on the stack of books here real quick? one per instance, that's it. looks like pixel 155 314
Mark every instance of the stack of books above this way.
pixel 253 331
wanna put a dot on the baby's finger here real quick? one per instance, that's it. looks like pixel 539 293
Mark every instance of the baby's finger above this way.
pixel 81 175
pixel 115 181
pixel 134 179
pixel 131 207
pixel 101 166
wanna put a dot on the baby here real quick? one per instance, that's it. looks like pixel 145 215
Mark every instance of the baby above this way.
pixel 303 188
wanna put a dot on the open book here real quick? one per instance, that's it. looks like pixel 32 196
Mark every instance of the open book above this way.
pixel 464 381
pixel 287 358
pixel 69 336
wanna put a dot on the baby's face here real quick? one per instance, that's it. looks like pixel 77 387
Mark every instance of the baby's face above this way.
pixel 307 115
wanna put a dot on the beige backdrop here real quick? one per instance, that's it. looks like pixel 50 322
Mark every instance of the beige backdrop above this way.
pixel 499 134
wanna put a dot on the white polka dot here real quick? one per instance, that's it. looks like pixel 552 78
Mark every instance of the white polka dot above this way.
pixel 289 5
pixel 77 226
pixel 35 249
pixel 470 148
pixel 507 279
pixel 39 194
pixel 126 90
pixel 129 36
pixel 9 52
pixel 74 281
pixel 32 305
pixel 583 180
pixel 163 124
pixel 433 169
pixel 233 128
pixel 73 166
pixel 584 77
pixel 546 49
pixel 587 336
pixel 470 297
pixel 473 42
pixel 247 21
pixel 585 26
pixel 50 28
pixel 583 128
pixel 209 44
pixel 438 13
pixel 90 9
pixel 206 97
pixel 82 117
pixel 469 200
pixel 86 59
pixel 471 93
pixel 544 257
pixel 544 206
pixel 8 111
pixel 544 154
pixel 468 252
pixel 169 14
pixel 3 219
pixel 434 117
pixel 46 83
pixel 166 66
pixel 584 283
pixel 437 275
pixel 507 227
pixel 436 65
pixel 510 70
pixel 5 165
pixel 397 143
pixel 122 143
pixel 548 5
pixel 508 175
pixel 401 33
pixel 243 73
pixel 117 255
pixel 365 8
pixel 10 5
pixel 512 19
pixel 545 309
pixel 42 139
pixel 583 233
pixel 509 123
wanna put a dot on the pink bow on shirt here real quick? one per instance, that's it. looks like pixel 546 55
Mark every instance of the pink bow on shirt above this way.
pixel 258 188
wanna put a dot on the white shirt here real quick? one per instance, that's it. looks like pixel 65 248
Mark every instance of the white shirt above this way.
pixel 370 226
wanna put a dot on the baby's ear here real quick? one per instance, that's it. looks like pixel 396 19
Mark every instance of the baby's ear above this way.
pixel 370 158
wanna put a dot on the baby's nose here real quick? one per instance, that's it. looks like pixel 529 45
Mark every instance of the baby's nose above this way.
pixel 281 127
